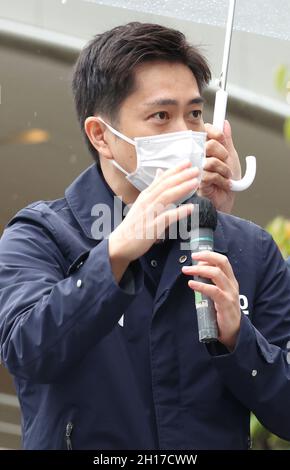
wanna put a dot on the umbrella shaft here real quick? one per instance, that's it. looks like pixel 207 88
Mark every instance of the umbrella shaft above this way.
pixel 227 48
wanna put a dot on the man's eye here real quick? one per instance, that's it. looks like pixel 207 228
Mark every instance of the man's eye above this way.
pixel 196 114
pixel 161 115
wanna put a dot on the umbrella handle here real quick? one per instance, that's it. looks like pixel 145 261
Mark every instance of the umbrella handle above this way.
pixel 220 108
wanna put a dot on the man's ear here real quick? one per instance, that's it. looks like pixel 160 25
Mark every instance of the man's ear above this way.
pixel 95 131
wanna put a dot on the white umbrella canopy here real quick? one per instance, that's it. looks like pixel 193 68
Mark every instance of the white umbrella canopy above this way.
pixel 261 40
pixel 265 17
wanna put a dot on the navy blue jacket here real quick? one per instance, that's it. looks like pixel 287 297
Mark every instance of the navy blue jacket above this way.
pixel 99 365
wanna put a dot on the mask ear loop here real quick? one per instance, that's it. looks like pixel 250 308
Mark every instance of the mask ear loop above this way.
pixel 119 167
pixel 123 137
pixel 117 133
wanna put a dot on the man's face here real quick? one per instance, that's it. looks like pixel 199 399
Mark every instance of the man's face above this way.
pixel 166 99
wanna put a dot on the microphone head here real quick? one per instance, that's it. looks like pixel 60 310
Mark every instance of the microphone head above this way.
pixel 207 212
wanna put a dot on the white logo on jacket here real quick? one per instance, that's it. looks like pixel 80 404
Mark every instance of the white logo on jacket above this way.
pixel 244 304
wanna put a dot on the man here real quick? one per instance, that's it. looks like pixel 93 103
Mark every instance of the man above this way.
pixel 101 332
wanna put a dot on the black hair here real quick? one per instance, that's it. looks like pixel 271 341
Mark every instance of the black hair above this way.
pixel 104 73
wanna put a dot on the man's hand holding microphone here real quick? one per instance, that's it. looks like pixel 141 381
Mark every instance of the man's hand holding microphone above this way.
pixel 151 213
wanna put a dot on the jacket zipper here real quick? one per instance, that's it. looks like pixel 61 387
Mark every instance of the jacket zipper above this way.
pixel 68 433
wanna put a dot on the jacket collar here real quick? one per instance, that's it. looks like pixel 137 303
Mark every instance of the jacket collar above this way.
pixel 89 189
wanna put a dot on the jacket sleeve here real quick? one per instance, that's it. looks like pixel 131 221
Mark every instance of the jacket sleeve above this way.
pixel 258 370
pixel 49 320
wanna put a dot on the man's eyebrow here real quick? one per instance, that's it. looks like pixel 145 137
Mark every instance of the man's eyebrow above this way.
pixel 171 102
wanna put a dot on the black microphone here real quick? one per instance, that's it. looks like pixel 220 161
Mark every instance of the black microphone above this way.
pixel 201 238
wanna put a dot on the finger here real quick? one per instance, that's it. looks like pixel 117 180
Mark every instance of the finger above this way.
pixel 214 133
pixel 172 171
pixel 216 149
pixel 215 259
pixel 210 290
pixel 171 216
pixel 214 179
pixel 177 192
pixel 215 274
pixel 203 263
pixel 159 172
pixel 228 135
pixel 188 174
pixel 214 165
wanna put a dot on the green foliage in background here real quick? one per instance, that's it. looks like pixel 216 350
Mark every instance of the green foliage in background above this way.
pixel 279 228
pixel 282 76
pixel 287 129
pixel 264 440
pixel 282 84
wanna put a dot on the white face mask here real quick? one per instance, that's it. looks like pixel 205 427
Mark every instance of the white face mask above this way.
pixel 162 151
